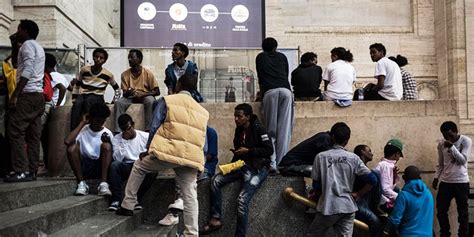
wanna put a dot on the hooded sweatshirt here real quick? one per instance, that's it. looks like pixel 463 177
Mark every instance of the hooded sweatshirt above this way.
pixel 414 210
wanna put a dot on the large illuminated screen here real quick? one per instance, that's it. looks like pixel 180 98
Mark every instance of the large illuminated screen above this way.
pixel 197 23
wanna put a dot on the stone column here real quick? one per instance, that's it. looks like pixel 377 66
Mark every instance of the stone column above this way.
pixel 6 18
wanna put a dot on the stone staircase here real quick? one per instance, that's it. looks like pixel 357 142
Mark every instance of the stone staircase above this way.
pixel 47 207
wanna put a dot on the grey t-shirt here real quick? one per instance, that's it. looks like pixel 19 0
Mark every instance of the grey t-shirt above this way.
pixel 31 61
pixel 337 169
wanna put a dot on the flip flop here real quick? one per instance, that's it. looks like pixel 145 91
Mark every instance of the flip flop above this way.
pixel 208 228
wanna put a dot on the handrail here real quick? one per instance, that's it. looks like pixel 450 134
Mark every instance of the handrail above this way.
pixel 290 194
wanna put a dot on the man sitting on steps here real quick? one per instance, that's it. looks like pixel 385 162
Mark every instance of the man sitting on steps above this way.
pixel 89 150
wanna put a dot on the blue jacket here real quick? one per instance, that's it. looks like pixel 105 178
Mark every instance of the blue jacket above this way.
pixel 171 80
pixel 413 211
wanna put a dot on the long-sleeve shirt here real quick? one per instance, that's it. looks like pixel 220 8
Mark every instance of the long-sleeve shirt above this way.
pixel 388 179
pixel 31 61
pixel 452 161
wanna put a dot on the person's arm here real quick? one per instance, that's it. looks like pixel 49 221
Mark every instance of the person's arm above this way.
pixel 461 156
pixel 62 93
pixel 316 177
pixel 439 167
pixel 159 115
pixel 380 82
pixel 396 216
pixel 326 83
pixel 71 137
pixel 265 147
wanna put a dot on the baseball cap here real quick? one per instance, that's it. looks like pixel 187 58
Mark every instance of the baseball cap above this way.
pixel 396 143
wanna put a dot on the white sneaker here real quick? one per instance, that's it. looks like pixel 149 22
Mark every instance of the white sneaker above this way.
pixel 114 206
pixel 169 219
pixel 82 188
pixel 104 189
pixel 178 204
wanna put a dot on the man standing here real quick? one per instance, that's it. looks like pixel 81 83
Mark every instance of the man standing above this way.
pixel 90 86
pixel 454 151
pixel 277 103
pixel 414 207
pixel 26 105
pixel 139 85
pixel 334 173
pixel 251 145
pixel 388 75
pixel 178 122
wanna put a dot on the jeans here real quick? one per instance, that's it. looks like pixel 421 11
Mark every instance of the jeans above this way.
pixel 251 179
pixel 365 214
pixel 118 173
pixel 446 192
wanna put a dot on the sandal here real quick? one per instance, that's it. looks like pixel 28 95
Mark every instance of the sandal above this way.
pixel 209 227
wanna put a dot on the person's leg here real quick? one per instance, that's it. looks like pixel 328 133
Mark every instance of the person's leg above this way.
pixel 76 111
pixel 120 107
pixel 33 133
pixel 141 167
pixel 186 179
pixel 269 114
pixel 443 200
pixel 118 172
pixel 461 195
pixel 146 184
pixel 148 102
pixel 345 225
pixel 91 99
pixel 19 121
pixel 105 160
pixel 284 124
pixel 74 158
pixel 218 181
pixel 366 215
pixel 252 180
pixel 320 225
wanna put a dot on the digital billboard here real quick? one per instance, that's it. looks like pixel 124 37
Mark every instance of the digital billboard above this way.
pixel 197 23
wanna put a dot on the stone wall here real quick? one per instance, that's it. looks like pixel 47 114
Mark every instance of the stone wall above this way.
pixel 416 123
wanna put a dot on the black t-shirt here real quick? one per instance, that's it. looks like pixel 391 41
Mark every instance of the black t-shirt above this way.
pixel 272 71
pixel 306 80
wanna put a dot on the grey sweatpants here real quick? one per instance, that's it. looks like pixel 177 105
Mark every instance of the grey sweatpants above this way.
pixel 122 104
pixel 341 224
pixel 277 106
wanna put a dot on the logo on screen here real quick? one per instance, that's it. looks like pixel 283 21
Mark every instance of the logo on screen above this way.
pixel 209 13
pixel 240 13
pixel 178 12
pixel 146 11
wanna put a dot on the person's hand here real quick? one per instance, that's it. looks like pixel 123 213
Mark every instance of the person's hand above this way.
pixel 12 102
pixel 129 92
pixel 105 138
pixel 435 184
pixel 170 91
pixel 396 170
pixel 143 154
pixel 139 94
pixel 355 196
pixel 241 151
pixel 448 144
pixel 85 119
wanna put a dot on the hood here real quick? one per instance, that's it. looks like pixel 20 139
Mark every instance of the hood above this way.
pixel 415 187
pixel 254 120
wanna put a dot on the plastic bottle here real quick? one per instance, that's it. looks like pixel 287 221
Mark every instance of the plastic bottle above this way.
pixel 360 94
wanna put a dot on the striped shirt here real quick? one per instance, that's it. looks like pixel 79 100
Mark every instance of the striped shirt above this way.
pixel 90 83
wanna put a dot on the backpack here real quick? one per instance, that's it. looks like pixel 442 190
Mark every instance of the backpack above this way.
pixel 47 87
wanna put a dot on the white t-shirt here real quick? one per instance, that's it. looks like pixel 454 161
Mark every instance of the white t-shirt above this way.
pixel 128 151
pixel 340 75
pixel 393 88
pixel 90 141
pixel 58 78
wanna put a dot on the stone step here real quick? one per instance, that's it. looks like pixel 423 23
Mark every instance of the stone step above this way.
pixel 155 231
pixel 50 216
pixel 103 224
pixel 23 194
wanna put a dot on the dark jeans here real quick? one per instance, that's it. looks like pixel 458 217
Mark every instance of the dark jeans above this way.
pixel 251 179
pixel 118 173
pixel 82 105
pixel 446 192
pixel 24 130
pixel 365 214
pixel 371 94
